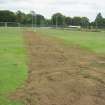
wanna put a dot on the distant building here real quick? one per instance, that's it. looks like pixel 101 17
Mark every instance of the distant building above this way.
pixel 78 27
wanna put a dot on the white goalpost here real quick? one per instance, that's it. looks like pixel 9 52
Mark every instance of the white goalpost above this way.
pixel 10 24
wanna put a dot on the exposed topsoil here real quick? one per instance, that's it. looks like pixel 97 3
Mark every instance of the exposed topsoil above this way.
pixel 62 75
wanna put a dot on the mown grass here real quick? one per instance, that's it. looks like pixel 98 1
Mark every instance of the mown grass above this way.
pixel 13 69
pixel 94 41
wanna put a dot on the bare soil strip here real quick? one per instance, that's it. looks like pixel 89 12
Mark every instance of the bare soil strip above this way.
pixel 62 75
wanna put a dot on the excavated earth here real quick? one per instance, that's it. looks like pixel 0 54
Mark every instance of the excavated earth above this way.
pixel 61 74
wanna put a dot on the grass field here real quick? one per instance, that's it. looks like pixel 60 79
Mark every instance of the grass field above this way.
pixel 94 41
pixel 13 69
pixel 62 74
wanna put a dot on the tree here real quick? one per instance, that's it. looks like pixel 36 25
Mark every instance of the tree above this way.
pixel 76 21
pixel 68 21
pixel 20 17
pixel 99 21
pixel 85 22
pixel 7 16
pixel 58 19
pixel 28 19
pixel 40 20
pixel 37 19
pixel 48 22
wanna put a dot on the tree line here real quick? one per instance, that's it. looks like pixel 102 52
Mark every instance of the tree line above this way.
pixel 57 19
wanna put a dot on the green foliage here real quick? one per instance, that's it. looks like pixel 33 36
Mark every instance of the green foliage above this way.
pixel 7 16
pixel 20 17
pixel 85 22
pixel 68 21
pixel 100 21
pixel 58 19
pixel 76 21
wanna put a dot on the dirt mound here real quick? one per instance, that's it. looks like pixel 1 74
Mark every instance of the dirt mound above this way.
pixel 62 75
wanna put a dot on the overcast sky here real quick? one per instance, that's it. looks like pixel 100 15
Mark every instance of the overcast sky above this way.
pixel 87 8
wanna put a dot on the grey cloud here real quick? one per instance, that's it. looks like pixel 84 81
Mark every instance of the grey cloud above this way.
pixel 2 1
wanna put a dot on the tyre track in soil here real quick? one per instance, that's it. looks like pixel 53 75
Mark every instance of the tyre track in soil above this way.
pixel 61 75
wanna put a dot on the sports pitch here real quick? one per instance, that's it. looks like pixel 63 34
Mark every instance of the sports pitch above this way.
pixel 67 65
pixel 94 41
